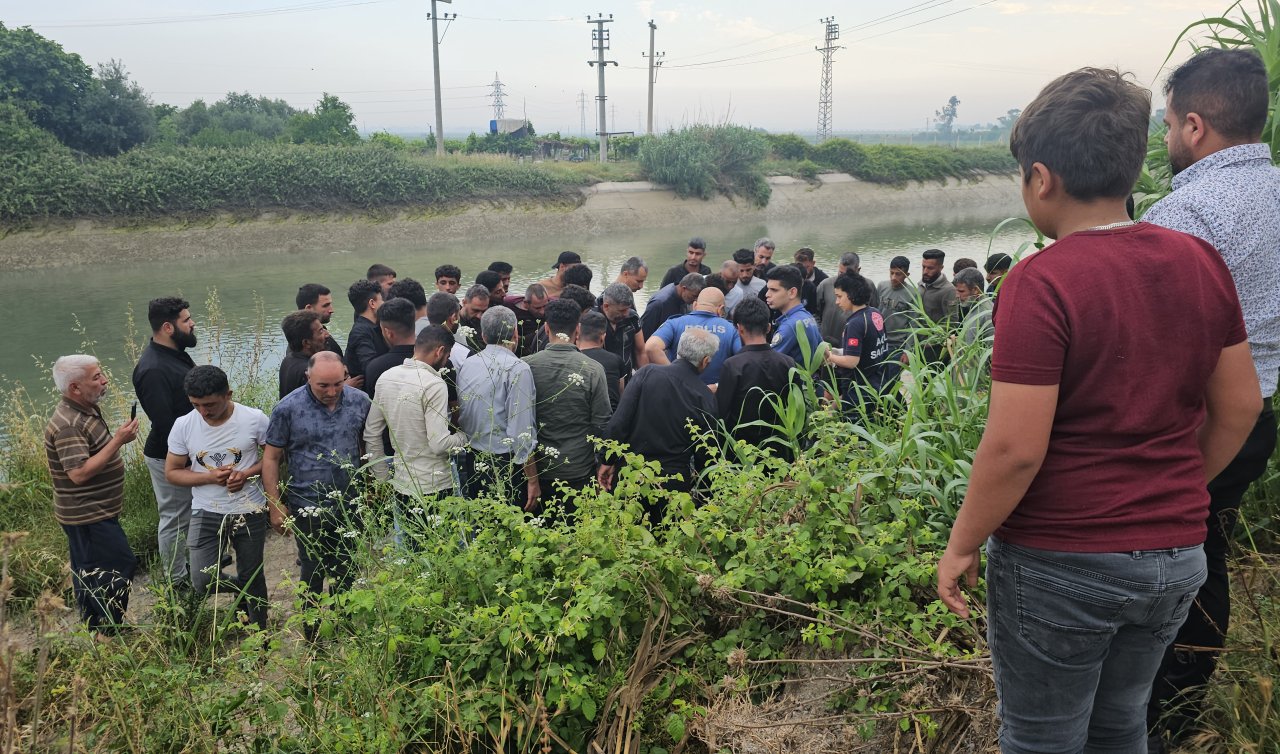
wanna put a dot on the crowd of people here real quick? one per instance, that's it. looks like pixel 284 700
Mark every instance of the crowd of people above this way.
pixel 1088 489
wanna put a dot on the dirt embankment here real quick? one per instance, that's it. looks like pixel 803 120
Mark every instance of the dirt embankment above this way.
pixel 605 208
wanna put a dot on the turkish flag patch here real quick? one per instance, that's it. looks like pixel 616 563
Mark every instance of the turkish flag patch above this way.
pixel 852 343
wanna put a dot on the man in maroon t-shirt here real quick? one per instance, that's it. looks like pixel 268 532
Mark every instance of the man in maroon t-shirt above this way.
pixel 1090 478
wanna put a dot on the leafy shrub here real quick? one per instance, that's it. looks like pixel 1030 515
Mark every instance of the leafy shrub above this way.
pixel 703 161
pixel 808 169
pixel 789 146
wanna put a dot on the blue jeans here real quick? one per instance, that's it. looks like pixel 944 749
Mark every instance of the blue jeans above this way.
pixel 1076 639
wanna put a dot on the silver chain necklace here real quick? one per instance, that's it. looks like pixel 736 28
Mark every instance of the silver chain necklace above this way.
pixel 1113 226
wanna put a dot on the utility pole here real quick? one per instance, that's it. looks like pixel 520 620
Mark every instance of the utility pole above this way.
pixel 824 90
pixel 613 117
pixel 600 43
pixel 582 112
pixel 655 62
pixel 435 59
pixel 499 111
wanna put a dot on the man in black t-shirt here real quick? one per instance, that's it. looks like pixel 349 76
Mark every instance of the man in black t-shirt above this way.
pixel 591 329
pixel 622 336
pixel 692 263
pixel 753 379
pixel 861 365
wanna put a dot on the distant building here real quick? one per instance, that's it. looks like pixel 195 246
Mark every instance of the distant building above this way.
pixel 517 127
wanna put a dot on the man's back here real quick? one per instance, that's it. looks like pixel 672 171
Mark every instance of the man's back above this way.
pixel 725 333
pixel 612 366
pixel 412 405
pixel 664 304
pixel 655 412
pixel 747 382
pixel 1123 470
pixel 1232 200
pixel 572 403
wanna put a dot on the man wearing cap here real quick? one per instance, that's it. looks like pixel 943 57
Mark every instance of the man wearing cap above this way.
pixel 997 266
pixel 692 263
pixel 555 284
pixel 898 304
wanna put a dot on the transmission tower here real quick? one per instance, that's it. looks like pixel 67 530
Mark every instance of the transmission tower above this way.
pixel 498 110
pixel 582 112
pixel 824 90
pixel 600 43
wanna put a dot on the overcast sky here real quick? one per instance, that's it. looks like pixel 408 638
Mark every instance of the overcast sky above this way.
pixel 747 61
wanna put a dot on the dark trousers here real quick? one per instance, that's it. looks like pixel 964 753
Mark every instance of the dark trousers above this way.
pixel 102 566
pixel 210 536
pixel 1184 672
pixel 557 499
pixel 492 476
pixel 324 549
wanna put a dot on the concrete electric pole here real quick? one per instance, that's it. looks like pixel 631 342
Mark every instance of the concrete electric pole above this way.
pixel 600 43
pixel 824 91
pixel 435 59
pixel 655 62
pixel 582 112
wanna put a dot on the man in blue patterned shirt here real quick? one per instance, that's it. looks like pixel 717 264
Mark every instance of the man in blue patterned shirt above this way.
pixel 1227 192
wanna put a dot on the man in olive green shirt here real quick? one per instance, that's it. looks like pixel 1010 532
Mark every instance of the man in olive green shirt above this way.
pixel 572 405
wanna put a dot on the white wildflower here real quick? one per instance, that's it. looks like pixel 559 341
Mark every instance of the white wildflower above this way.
pixel 562 337
pixel 350 533
pixel 366 456
pixel 508 441
pixel 416 511
pixel 334 495
pixel 577 380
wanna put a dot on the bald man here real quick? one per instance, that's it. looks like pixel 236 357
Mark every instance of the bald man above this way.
pixel 707 314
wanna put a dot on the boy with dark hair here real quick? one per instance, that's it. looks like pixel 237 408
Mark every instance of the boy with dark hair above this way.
pixel 413 292
pixel 578 295
pixel 383 275
pixel 305 336
pixel 1089 483
pixel 580 275
pixel 1227 192
pixel 782 292
pixel 591 331
pixel 216 451
pixel 396 320
pixel 448 279
pixel 365 342
pixel 157 381
pixel 694 254
pixel 497 289
pixel 963 263
pixel 504 270
pixel 863 348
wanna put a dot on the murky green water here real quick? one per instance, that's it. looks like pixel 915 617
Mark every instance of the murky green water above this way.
pixel 43 309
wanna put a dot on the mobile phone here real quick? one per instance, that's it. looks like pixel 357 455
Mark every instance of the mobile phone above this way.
pixel 133 412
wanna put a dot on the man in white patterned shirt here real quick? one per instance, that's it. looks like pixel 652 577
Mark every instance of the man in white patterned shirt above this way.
pixel 1227 192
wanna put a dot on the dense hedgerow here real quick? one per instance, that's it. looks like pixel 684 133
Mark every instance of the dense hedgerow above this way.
pixel 894 164
pixel 147 183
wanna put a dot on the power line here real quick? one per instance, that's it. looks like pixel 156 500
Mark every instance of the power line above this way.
pixel 926 21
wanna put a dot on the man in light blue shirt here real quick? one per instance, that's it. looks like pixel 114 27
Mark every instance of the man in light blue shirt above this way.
pixel 707 314
pixel 496 391
pixel 1227 192
pixel 782 292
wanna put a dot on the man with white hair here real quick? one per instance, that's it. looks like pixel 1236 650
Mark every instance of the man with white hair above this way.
pixel 88 491
pixel 655 411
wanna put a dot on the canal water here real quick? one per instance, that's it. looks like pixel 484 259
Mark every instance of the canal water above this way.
pixel 72 309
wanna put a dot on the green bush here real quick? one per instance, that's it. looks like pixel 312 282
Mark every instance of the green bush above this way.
pixel 704 161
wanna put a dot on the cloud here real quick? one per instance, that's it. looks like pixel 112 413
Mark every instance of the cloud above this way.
pixel 1087 9
pixel 1011 9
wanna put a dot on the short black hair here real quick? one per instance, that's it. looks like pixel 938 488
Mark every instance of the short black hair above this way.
pixel 937 254
pixel 361 293
pixel 398 315
pixel 166 309
pixel 297 327
pixel 744 256
pixel 697 243
pixel 562 316
pixel 1228 88
pixel 379 270
pixel 409 289
pixel 579 274
pixel 998 261
pixel 309 294
pixel 716 280
pixel 441 306
pixel 787 276
pixel 502 268
pixel 448 271
pixel 579 295
pixel 753 314
pixel 804 254
pixel 592 325
pixel 204 381
pixel 856 287
pixel 1088 127
pixel 489 279
pixel 963 263
pixel 432 337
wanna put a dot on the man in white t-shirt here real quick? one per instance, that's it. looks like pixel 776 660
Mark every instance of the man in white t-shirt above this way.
pixel 216 450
